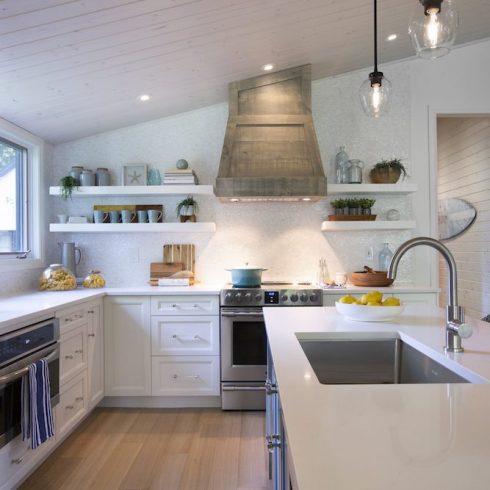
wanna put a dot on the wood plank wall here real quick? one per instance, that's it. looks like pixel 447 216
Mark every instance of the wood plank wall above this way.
pixel 464 171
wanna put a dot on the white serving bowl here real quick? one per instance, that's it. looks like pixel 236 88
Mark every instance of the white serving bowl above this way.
pixel 361 313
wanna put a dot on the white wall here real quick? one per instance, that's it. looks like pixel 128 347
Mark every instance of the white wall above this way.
pixel 285 238
pixel 463 145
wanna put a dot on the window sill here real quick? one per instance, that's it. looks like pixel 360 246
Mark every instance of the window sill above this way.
pixel 14 265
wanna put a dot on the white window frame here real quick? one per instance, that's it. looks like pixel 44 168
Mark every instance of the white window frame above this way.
pixel 34 198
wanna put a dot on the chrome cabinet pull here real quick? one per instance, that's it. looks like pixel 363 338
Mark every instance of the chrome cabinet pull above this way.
pixel 80 351
pixel 69 407
pixel 69 357
pixel 91 312
pixel 195 338
pixel 79 399
pixel 17 460
pixel 91 335
pixel 192 376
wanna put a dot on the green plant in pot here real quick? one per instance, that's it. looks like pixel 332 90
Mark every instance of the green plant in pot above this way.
pixel 187 209
pixel 387 171
pixel 67 184
pixel 366 205
pixel 338 206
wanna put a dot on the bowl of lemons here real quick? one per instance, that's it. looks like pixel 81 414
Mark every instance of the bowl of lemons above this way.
pixel 370 307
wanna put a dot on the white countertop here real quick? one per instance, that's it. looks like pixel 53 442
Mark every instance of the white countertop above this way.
pixel 384 437
pixel 385 290
pixel 40 305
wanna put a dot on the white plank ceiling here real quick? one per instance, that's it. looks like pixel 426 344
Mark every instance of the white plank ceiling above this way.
pixel 71 68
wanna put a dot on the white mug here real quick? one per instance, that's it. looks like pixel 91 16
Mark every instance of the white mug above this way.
pixel 340 278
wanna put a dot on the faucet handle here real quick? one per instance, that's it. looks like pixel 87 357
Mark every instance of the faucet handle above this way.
pixel 464 330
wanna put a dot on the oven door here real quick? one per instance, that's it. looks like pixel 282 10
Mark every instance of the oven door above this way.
pixel 243 345
pixel 10 389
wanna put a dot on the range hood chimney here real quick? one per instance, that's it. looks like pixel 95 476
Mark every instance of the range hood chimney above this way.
pixel 270 152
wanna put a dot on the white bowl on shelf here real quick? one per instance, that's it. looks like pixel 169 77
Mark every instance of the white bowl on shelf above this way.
pixel 362 313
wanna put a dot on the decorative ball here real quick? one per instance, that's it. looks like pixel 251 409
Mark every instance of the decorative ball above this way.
pixel 182 164
pixel 393 215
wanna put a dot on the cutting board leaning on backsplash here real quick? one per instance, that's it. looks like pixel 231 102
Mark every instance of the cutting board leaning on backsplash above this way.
pixel 181 253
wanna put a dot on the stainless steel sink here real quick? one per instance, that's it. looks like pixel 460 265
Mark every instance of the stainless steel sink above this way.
pixel 367 360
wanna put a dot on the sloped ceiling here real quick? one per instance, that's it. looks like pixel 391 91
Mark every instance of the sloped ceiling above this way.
pixel 71 68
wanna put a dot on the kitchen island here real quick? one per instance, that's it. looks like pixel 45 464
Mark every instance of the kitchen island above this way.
pixel 383 437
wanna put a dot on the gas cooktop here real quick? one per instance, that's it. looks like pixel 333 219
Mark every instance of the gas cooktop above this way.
pixel 272 294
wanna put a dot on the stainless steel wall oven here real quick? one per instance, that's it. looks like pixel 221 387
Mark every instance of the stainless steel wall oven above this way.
pixel 19 349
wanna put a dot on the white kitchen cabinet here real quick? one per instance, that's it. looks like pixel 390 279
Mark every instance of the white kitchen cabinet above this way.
pixel 185 375
pixel 73 352
pixel 73 404
pixel 127 346
pixel 185 345
pixel 426 298
pixel 95 354
pixel 185 305
pixel 185 335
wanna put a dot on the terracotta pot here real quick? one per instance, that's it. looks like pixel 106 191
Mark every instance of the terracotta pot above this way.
pixel 384 176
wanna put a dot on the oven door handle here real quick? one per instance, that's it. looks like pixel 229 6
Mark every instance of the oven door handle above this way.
pixel 15 375
pixel 243 388
pixel 239 313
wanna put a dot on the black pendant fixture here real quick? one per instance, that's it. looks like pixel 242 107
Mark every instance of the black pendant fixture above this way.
pixel 375 92
pixel 433 28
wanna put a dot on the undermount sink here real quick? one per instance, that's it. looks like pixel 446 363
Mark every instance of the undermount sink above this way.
pixel 364 359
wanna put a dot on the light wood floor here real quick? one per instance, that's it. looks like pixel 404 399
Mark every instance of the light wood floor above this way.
pixel 166 449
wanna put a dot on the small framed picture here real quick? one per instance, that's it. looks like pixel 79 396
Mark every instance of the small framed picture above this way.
pixel 134 174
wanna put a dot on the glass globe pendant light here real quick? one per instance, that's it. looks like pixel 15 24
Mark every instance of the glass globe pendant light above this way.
pixel 433 28
pixel 375 92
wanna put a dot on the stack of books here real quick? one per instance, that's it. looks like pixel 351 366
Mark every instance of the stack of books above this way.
pixel 176 176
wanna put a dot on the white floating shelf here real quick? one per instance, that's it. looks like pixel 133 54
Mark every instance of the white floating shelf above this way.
pixel 371 188
pixel 132 227
pixel 367 225
pixel 136 190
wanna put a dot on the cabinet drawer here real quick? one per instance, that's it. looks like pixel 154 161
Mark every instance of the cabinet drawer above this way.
pixel 73 353
pixel 185 305
pixel 71 318
pixel 73 404
pixel 185 375
pixel 185 335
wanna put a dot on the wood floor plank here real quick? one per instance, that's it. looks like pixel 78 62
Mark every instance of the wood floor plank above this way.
pixel 159 449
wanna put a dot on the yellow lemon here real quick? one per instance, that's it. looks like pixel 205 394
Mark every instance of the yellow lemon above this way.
pixel 364 299
pixel 375 296
pixel 349 299
pixel 391 301
pixel 358 302
pixel 373 303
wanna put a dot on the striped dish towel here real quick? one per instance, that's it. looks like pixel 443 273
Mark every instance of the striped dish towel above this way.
pixel 37 416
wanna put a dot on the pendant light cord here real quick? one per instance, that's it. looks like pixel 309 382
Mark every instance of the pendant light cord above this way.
pixel 375 36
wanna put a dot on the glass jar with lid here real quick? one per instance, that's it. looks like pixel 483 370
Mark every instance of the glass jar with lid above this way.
pixel 94 280
pixel 355 171
pixel 57 278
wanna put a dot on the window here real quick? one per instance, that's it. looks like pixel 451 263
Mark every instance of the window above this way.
pixel 21 203
pixel 13 189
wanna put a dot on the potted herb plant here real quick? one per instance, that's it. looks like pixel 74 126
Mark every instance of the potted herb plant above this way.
pixel 187 209
pixel 387 171
pixel 67 185
pixel 366 205
pixel 338 206
pixel 354 206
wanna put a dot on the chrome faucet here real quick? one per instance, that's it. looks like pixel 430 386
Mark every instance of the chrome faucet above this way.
pixel 455 326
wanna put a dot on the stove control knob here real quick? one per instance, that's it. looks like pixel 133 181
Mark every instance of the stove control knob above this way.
pixel 303 298
pixel 313 298
pixel 284 297
pixel 228 297
pixel 238 297
pixel 258 298
pixel 294 297
pixel 248 297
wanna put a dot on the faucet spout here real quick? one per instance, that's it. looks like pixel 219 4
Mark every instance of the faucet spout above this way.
pixel 455 326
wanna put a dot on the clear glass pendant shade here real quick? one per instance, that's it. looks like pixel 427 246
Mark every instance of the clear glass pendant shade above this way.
pixel 433 28
pixel 376 96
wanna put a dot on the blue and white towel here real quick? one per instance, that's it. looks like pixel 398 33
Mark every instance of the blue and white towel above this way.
pixel 37 416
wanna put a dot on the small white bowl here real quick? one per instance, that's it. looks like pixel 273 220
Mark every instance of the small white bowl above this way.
pixel 361 313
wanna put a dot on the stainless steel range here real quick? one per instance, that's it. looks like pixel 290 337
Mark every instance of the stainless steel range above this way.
pixel 244 341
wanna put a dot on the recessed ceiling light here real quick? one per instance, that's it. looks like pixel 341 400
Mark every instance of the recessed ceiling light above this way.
pixel 306 198
pixel 268 67
pixel 391 37
pixel 144 98
pixel 234 199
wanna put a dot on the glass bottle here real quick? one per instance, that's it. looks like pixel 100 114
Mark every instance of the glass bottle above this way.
pixel 342 166
pixel 384 257
pixel 355 171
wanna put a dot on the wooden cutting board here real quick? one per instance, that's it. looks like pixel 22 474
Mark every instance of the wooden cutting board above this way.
pixel 159 269
pixel 184 253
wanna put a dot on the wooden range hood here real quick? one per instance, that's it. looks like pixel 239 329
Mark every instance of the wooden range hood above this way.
pixel 270 152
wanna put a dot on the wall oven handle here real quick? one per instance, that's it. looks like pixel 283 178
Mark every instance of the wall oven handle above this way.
pixel 9 378
pixel 242 313
pixel 243 388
